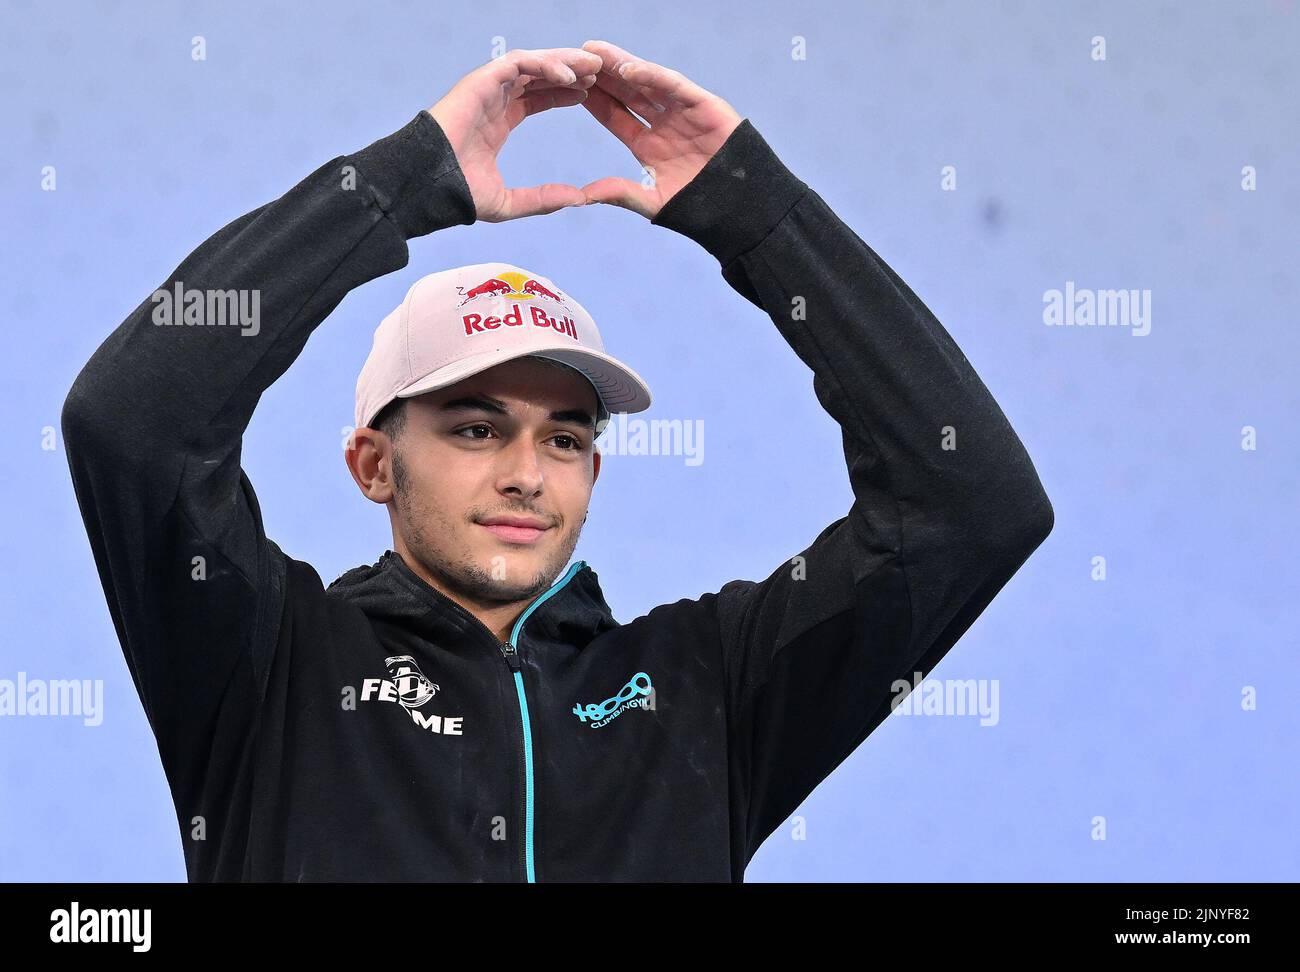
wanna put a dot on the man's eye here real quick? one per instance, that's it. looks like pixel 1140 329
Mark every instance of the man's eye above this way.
pixel 568 443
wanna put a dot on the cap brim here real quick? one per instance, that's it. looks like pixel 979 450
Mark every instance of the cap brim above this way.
pixel 619 387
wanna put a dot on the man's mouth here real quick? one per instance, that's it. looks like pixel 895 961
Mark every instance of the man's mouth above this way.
pixel 515 529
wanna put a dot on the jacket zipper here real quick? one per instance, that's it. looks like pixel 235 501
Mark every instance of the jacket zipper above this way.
pixel 510 650
pixel 512 660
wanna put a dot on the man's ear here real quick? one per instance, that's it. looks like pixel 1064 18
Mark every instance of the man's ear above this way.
pixel 595 464
pixel 369 456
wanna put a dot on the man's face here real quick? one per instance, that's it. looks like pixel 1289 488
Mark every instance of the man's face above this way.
pixel 513 441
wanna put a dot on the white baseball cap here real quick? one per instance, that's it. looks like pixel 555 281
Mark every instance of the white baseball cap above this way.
pixel 456 323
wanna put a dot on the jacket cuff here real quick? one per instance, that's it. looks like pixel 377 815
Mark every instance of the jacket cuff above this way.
pixel 736 199
pixel 416 179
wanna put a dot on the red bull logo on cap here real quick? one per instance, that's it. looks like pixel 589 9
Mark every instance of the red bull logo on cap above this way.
pixel 510 284
pixel 521 287
pixel 477 323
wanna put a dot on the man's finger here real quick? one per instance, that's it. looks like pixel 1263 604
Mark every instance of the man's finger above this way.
pixel 556 97
pixel 561 65
pixel 613 114
pixel 624 193
pixel 530 85
pixel 622 90
pixel 629 96
pixel 663 83
pixel 539 200
pixel 649 79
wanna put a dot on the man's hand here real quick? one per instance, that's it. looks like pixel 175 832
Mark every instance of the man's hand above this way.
pixel 486 105
pixel 684 126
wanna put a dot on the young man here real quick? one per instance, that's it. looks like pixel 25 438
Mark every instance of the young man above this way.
pixel 466 708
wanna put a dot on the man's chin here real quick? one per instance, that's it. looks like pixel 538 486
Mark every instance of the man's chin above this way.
pixel 517 571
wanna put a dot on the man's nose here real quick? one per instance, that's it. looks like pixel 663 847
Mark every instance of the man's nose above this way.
pixel 521 466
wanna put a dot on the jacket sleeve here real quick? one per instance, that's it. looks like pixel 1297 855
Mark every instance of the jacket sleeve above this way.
pixel 947 504
pixel 153 426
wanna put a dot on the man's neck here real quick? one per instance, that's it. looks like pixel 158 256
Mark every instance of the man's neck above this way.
pixel 497 618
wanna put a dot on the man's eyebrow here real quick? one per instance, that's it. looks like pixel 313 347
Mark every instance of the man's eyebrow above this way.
pixel 486 403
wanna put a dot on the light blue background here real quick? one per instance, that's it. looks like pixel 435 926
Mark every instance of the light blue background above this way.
pixel 1118 699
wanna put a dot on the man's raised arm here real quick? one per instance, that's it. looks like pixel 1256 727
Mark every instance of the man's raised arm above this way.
pixel 947 504
pixel 154 422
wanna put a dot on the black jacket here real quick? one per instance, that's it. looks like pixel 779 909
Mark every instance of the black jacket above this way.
pixel 374 729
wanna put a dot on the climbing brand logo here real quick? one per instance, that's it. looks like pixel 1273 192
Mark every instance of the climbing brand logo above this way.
pixel 409 687
pixel 638 693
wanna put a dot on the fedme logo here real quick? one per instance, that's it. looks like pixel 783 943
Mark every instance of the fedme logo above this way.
pixel 409 687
